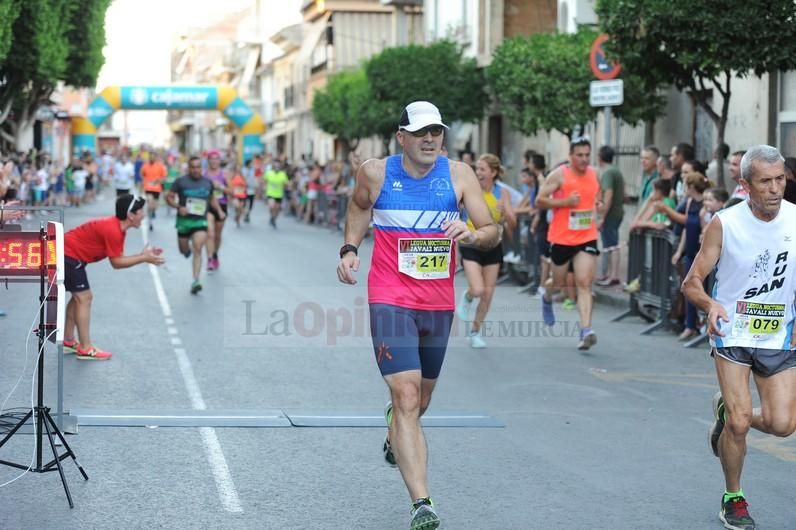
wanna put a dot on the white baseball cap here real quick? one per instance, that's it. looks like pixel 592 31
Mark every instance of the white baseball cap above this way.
pixel 420 114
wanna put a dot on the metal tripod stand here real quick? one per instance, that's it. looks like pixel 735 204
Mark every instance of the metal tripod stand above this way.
pixel 41 413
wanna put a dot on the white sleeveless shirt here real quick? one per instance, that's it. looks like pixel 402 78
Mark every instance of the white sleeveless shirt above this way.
pixel 756 278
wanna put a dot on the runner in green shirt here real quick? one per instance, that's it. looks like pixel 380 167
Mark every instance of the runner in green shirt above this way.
pixel 275 182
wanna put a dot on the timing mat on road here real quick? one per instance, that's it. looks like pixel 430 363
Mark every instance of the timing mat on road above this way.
pixel 268 418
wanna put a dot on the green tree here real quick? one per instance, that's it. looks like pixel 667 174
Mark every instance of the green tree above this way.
pixel 86 36
pixel 344 108
pixel 35 62
pixel 701 46
pixel 9 11
pixel 438 73
pixel 542 83
pixel 51 41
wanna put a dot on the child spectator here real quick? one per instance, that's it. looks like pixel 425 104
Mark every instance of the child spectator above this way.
pixel 714 200
pixel 649 217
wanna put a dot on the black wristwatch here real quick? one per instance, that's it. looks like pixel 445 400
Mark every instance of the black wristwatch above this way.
pixel 345 249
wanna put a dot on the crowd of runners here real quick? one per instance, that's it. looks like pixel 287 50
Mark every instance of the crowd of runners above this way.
pixel 424 210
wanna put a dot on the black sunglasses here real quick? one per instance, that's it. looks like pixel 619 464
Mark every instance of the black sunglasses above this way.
pixel 435 130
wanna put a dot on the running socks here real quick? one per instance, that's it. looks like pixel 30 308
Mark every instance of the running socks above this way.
pixel 731 495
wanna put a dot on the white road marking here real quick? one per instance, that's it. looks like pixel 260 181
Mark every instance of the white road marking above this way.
pixel 224 484
pixel 172 330
pixel 194 394
pixel 215 455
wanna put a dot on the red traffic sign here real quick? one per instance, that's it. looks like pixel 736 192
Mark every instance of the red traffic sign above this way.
pixel 601 67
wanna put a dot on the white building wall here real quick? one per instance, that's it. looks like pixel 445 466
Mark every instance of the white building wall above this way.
pixel 747 122
pixel 457 19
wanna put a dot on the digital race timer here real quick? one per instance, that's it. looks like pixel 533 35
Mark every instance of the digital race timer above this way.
pixel 21 253
pixel 28 256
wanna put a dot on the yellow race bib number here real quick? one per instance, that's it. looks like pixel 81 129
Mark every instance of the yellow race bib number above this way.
pixel 757 321
pixel 424 259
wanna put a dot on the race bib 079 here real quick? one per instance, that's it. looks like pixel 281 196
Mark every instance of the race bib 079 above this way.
pixel 757 321
pixel 580 219
pixel 424 259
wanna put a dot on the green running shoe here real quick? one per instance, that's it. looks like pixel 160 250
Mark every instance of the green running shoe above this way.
pixel 389 457
pixel 423 515
pixel 196 287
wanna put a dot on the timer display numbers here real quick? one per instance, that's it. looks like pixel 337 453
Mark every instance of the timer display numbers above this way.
pixel 22 254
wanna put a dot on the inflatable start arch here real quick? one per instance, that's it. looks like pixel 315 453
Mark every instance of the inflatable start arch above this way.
pixel 223 98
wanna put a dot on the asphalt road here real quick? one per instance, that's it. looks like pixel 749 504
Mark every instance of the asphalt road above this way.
pixel 612 439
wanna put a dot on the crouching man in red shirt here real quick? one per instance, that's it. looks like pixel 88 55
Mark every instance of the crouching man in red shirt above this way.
pixel 93 241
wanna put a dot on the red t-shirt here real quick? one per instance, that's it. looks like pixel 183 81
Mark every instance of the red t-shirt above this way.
pixel 95 240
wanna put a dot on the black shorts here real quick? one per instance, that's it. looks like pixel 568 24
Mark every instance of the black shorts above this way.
pixel 186 234
pixel 277 199
pixel 763 361
pixel 75 278
pixel 154 194
pixel 542 245
pixel 561 254
pixel 215 212
pixel 120 192
pixel 492 256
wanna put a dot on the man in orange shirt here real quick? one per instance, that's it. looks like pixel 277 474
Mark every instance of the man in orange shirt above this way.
pixel 153 173
pixel 572 191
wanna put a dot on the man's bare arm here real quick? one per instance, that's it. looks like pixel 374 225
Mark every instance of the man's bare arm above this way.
pixel 358 215
pixel 551 184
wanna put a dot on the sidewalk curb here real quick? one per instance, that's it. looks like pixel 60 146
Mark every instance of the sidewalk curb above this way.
pixel 611 297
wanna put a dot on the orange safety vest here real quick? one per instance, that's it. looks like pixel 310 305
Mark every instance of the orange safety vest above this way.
pixel 576 226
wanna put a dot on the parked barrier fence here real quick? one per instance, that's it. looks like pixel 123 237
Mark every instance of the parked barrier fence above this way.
pixel 524 269
pixel 649 263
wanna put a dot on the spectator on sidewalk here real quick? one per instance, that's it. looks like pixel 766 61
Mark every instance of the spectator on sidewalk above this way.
pixel 681 153
pixel 665 170
pixel 714 200
pixel 678 215
pixel 612 210
pixel 648 217
pixel 696 185
pixel 540 223
pixel 650 158
pixel 649 172
pixel 720 155
pixel 790 182
pixel 735 175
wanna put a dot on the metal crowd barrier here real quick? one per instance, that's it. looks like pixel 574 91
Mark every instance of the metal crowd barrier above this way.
pixel 522 243
pixel 342 208
pixel 649 261
pixel 330 209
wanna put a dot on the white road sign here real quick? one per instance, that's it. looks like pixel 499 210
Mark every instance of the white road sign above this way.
pixel 606 93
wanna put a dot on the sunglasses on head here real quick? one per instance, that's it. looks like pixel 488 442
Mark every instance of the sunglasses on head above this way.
pixel 435 130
